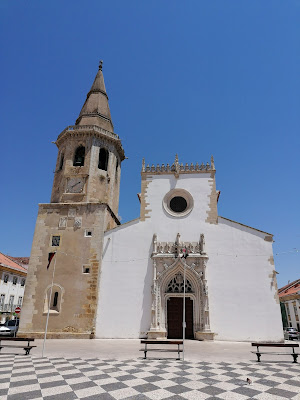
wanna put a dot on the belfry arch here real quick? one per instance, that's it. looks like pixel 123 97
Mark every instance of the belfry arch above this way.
pixel 169 263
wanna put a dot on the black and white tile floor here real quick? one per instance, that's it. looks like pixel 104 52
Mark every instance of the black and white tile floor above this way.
pixel 26 377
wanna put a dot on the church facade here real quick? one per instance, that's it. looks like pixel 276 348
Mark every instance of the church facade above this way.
pixel 138 279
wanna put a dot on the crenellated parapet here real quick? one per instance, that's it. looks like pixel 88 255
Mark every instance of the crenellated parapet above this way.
pixel 178 168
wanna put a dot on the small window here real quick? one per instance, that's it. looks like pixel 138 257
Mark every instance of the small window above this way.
pixel 61 162
pixel 20 299
pixel 53 304
pixel 117 167
pixel 79 157
pixel 15 280
pixel 103 159
pixel 11 300
pixel 55 240
pixel 23 282
pixel 5 279
pixel 55 298
pixel 88 233
pixel 85 270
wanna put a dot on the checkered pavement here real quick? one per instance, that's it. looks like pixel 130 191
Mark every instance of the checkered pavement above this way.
pixel 55 378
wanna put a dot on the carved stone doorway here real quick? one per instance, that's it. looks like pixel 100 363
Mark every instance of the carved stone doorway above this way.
pixel 174 317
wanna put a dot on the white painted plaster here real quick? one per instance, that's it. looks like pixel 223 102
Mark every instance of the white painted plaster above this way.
pixel 242 304
pixel 9 289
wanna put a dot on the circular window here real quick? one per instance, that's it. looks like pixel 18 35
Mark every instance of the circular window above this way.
pixel 178 203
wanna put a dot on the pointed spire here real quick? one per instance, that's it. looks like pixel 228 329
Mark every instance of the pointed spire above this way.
pixel 95 110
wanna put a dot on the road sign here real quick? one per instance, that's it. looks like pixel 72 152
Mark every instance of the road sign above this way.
pixel 17 310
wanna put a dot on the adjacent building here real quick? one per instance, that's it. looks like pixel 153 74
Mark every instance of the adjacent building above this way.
pixel 289 296
pixel 134 280
pixel 12 284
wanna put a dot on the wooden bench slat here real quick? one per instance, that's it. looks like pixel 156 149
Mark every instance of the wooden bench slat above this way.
pixel 11 345
pixel 275 344
pixel 271 352
pixel 167 350
pixel 162 341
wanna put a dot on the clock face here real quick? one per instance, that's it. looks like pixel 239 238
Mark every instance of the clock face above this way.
pixel 75 185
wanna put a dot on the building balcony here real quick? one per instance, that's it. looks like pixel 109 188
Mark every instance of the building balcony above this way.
pixel 7 307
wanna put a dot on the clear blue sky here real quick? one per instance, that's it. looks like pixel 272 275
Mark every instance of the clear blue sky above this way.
pixel 189 77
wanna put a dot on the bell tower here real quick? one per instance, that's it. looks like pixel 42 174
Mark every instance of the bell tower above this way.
pixel 89 157
pixel 84 204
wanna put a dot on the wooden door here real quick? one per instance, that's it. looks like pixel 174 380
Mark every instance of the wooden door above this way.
pixel 174 318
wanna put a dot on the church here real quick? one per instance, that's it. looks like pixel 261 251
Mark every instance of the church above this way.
pixel 94 277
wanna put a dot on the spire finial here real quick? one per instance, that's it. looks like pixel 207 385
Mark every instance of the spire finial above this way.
pixel 212 163
pixel 100 65
pixel 177 167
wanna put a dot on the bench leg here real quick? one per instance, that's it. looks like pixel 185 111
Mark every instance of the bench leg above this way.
pixel 258 357
pixel 27 351
pixel 178 353
pixel 295 356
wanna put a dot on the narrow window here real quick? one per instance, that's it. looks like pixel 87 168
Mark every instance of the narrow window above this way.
pixel 15 280
pixel 23 282
pixel 117 166
pixel 11 303
pixel 85 270
pixel 79 157
pixel 54 302
pixel 103 159
pixel 61 163
pixel 20 299
pixel 2 300
pixel 5 280
pixel 55 299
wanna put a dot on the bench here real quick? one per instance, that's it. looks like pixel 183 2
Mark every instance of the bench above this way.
pixel 27 347
pixel 284 345
pixel 177 350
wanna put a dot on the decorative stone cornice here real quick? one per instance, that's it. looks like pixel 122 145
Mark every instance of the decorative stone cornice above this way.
pixel 91 130
pixel 178 168
pixel 179 249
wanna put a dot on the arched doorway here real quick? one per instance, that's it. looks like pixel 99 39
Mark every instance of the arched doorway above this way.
pixel 175 293
pixel 175 318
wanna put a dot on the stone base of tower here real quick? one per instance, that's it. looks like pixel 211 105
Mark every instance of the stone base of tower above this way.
pixel 56 335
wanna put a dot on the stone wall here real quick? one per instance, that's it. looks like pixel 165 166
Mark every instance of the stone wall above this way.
pixel 80 228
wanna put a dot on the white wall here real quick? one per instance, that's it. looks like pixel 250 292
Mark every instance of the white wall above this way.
pixel 242 295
